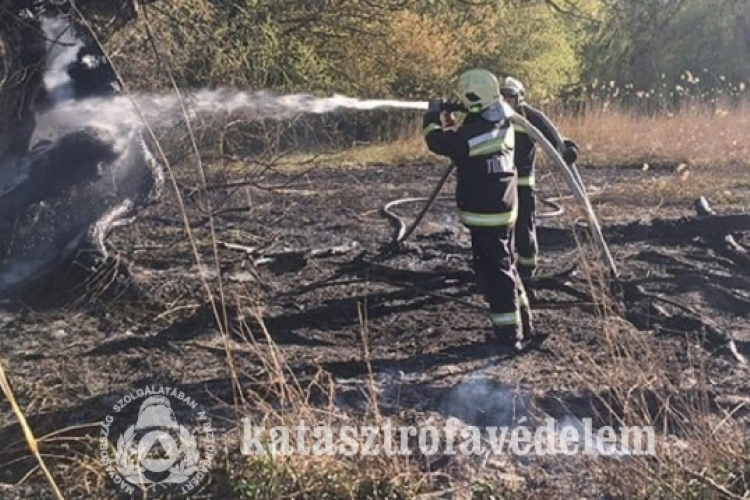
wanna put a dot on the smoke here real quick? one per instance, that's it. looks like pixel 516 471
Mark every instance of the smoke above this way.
pixel 62 49
pixel 483 402
pixel 486 403
pixel 119 113
pixel 89 164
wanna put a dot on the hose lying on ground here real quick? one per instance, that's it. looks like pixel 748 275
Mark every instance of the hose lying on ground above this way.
pixel 403 231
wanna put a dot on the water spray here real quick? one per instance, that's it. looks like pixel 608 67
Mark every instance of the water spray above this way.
pixel 167 110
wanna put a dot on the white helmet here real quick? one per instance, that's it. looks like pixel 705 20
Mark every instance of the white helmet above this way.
pixel 478 89
pixel 514 87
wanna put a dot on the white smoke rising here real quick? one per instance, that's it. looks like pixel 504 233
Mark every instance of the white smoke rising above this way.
pixel 485 402
pixel 481 402
pixel 62 48
pixel 121 117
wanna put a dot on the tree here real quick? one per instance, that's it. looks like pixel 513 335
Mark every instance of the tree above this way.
pixel 23 57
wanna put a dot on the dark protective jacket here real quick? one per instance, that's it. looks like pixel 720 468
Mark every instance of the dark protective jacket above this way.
pixel 482 151
pixel 525 150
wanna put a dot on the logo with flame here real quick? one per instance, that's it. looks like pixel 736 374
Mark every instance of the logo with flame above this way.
pixel 158 451
pixel 157 444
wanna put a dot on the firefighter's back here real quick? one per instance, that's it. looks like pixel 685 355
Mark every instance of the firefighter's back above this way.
pixel 486 172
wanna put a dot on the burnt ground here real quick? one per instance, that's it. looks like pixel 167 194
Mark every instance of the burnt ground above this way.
pixel 311 257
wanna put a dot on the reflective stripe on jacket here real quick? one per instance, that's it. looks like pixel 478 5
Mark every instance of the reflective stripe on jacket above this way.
pixel 486 177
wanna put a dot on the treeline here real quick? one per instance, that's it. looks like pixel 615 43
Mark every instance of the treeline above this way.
pixel 665 54
pixel 366 48
pixel 637 49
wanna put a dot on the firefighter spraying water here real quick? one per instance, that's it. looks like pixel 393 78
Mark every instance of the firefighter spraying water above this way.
pixel 75 98
pixel 482 150
pixel 562 151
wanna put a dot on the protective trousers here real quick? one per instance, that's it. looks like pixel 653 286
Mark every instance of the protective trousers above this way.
pixel 498 279
pixel 525 232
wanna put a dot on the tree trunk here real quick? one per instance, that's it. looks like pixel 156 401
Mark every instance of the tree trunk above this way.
pixel 22 77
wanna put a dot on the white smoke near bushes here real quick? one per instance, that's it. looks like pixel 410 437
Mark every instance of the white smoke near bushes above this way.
pixel 160 111
pixel 118 119
pixel 120 115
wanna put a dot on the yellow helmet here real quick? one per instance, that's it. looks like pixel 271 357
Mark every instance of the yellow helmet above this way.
pixel 478 89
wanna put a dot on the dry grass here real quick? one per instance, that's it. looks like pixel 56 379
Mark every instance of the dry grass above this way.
pixel 703 135
pixel 699 455
pixel 707 466
pixel 704 149
pixel 409 149
pixel 714 463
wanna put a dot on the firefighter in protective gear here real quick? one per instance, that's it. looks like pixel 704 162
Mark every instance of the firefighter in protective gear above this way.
pixel 526 244
pixel 486 197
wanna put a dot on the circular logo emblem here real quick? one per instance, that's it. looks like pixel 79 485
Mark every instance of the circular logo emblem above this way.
pixel 157 437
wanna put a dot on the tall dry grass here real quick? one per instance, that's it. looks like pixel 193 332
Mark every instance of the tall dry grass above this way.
pixel 703 134
pixel 706 144
pixel 709 461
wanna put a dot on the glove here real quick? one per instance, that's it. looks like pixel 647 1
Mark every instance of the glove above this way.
pixel 570 153
pixel 449 120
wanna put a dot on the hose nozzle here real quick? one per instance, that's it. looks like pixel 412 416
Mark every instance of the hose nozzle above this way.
pixel 442 105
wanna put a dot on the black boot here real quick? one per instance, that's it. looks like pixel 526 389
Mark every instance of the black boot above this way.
pixel 507 339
